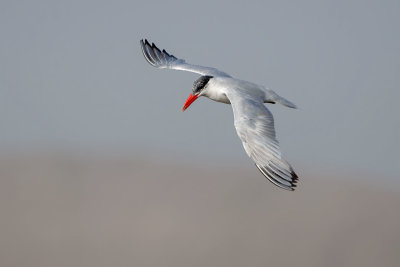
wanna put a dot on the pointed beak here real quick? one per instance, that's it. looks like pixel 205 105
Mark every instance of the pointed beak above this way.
pixel 189 101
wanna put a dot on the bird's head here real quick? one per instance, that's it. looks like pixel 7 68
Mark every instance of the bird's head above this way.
pixel 198 88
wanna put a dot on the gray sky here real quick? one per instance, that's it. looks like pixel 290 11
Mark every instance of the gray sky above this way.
pixel 72 77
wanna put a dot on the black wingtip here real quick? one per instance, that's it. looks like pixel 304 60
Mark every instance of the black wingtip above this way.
pixel 155 56
pixel 156 48
pixel 294 176
pixel 277 179
pixel 165 52
pixel 147 52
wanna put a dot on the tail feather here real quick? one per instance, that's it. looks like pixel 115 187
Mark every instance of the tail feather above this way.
pixel 271 97
pixel 286 102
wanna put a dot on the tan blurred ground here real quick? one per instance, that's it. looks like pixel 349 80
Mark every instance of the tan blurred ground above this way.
pixel 79 211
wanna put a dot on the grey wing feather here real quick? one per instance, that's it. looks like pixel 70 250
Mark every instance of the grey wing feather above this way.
pixel 254 124
pixel 163 60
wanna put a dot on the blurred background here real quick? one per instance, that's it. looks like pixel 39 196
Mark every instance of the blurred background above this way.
pixel 99 166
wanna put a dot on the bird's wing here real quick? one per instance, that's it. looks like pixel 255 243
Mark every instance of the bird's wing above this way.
pixel 255 126
pixel 163 60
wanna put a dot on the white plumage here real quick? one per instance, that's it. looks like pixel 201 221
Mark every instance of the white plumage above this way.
pixel 254 123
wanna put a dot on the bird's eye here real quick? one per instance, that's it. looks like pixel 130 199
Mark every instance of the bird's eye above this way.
pixel 200 83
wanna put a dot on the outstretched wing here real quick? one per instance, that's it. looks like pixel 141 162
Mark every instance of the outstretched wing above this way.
pixel 163 60
pixel 255 126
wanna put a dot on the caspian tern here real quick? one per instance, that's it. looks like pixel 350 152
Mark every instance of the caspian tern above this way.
pixel 253 121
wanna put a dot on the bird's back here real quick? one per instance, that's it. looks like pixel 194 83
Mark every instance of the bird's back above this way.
pixel 220 86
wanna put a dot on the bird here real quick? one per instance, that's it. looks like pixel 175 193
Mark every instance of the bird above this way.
pixel 253 121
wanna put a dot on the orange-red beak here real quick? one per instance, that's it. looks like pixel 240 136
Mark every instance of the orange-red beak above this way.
pixel 189 101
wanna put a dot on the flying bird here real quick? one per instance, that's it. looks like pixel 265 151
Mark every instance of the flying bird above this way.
pixel 254 123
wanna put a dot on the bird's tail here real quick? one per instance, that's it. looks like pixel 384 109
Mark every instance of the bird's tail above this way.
pixel 271 96
pixel 286 102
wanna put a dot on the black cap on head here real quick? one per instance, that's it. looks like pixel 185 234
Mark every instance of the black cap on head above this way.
pixel 200 83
